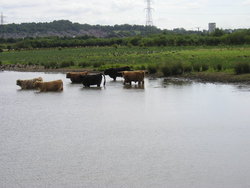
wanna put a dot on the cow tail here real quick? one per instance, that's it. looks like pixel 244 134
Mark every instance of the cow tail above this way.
pixel 104 79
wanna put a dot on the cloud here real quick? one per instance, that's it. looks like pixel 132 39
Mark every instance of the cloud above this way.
pixel 246 2
pixel 166 14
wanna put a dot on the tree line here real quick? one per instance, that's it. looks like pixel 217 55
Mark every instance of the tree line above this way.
pixel 63 28
pixel 239 37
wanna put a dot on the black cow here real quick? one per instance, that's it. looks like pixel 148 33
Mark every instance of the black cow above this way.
pixel 116 72
pixel 93 79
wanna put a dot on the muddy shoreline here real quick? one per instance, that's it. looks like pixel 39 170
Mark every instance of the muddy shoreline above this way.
pixel 37 68
pixel 219 77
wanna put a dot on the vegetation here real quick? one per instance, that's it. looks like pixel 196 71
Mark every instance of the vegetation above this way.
pixel 242 68
pixel 65 28
pixel 165 60
pixel 168 53
pixel 218 38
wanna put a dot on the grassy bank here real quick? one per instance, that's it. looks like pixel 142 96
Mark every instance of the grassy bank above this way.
pixel 166 61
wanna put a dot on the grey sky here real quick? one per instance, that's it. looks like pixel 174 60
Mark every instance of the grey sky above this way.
pixel 167 14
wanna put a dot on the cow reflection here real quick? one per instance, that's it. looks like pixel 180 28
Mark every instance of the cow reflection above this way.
pixel 134 87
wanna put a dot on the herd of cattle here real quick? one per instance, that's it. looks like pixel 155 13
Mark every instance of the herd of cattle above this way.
pixel 86 78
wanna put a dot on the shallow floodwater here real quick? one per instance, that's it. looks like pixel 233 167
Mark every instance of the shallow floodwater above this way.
pixel 168 134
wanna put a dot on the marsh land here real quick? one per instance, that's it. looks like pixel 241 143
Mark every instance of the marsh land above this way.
pixel 210 63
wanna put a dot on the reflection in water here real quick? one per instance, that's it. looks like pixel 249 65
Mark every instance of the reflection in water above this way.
pixel 92 88
pixel 245 88
pixel 156 135
pixel 175 82
pixel 136 86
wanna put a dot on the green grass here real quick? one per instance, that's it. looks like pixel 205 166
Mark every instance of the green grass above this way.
pixel 209 59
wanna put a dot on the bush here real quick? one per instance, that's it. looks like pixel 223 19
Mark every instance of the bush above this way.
pixel 187 68
pixel 196 67
pixel 177 69
pixel 1 50
pixel 52 65
pixel 166 70
pixel 97 64
pixel 136 67
pixel 142 67
pixel 152 69
pixel 204 67
pixel 242 68
pixel 172 69
pixel 115 46
pixel 83 64
pixel 218 67
pixel 67 64
pixel 1 63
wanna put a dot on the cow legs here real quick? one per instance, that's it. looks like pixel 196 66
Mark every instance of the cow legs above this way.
pixel 86 85
pixel 141 82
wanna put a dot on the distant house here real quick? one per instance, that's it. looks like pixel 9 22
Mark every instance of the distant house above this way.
pixel 211 27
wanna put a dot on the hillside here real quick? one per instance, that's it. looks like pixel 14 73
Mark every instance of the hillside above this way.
pixel 65 28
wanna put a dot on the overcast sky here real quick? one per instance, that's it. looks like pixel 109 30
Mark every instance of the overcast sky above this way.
pixel 167 14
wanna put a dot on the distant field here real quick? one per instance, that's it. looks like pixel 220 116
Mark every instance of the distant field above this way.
pixel 99 58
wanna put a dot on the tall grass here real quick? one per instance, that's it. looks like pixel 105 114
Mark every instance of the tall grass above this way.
pixel 172 69
pixel 154 59
pixel 242 68
pixel 204 67
pixel 152 69
pixel 196 67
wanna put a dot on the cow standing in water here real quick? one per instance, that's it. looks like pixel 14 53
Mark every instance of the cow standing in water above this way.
pixel 133 76
pixel 28 84
pixel 75 77
pixel 56 85
pixel 116 72
pixel 93 79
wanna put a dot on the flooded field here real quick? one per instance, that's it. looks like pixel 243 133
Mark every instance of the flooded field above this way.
pixel 168 134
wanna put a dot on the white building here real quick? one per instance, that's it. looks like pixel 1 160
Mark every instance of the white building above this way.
pixel 211 27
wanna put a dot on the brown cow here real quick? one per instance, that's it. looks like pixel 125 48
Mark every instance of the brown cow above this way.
pixel 28 84
pixel 76 77
pixel 135 76
pixel 56 85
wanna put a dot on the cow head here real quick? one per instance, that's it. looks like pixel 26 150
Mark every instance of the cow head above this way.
pixel 39 79
pixel 19 82
pixel 37 84
pixel 108 71
pixel 68 75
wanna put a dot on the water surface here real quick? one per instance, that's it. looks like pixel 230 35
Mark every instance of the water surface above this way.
pixel 168 134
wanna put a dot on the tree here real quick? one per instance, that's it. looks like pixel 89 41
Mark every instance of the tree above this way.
pixel 218 32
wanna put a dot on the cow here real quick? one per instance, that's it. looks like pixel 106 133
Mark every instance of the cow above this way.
pixel 93 79
pixel 28 84
pixel 116 72
pixel 56 85
pixel 135 76
pixel 75 77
